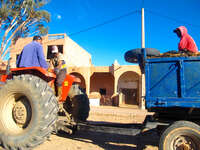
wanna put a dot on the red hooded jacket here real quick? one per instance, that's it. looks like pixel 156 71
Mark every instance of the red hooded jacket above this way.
pixel 186 41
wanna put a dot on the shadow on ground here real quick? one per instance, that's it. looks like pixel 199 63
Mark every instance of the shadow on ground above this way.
pixel 112 141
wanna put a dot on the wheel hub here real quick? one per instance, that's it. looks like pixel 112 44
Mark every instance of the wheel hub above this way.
pixel 184 143
pixel 184 146
pixel 21 112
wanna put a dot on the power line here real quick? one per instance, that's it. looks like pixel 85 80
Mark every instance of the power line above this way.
pixel 104 23
pixel 128 14
pixel 171 18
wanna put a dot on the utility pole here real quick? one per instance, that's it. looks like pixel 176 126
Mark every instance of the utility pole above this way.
pixel 142 104
pixel 143 31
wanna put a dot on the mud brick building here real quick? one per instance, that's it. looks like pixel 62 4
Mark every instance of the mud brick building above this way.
pixel 117 85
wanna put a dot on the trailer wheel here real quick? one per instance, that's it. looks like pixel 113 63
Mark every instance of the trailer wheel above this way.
pixel 181 135
pixel 80 103
pixel 28 111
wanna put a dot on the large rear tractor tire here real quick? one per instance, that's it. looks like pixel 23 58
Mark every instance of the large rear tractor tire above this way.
pixel 181 135
pixel 28 112
pixel 80 103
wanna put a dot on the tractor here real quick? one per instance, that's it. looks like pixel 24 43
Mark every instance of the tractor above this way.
pixel 29 109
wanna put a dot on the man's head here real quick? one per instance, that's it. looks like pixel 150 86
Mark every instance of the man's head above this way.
pixel 181 31
pixel 37 38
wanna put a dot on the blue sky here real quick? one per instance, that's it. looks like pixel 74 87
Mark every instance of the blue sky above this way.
pixel 110 41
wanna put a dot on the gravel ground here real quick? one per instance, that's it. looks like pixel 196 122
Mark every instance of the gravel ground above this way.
pixel 106 138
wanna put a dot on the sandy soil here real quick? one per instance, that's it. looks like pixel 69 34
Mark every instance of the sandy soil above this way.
pixel 94 140
pixel 88 140
pixel 105 140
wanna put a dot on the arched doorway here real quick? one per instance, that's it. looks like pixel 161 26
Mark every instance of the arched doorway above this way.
pixel 78 75
pixel 128 88
pixel 103 83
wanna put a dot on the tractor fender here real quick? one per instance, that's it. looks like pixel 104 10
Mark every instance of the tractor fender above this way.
pixel 66 86
pixel 36 71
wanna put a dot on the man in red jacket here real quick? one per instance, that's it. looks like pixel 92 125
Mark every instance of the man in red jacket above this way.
pixel 186 41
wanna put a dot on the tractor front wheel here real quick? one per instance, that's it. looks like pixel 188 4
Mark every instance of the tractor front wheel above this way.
pixel 79 103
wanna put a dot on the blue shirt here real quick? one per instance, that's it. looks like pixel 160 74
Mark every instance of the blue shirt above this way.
pixel 32 55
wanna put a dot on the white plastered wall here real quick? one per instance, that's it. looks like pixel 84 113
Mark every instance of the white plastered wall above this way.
pixel 76 55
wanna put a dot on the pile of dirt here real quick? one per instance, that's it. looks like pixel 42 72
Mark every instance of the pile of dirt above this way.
pixel 176 54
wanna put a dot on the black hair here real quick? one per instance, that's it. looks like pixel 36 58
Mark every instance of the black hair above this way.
pixel 37 37
pixel 178 32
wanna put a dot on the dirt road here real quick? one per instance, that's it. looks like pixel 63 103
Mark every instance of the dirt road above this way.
pixel 97 140
pixel 89 140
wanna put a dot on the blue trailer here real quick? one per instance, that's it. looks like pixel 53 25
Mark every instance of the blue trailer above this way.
pixel 173 94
